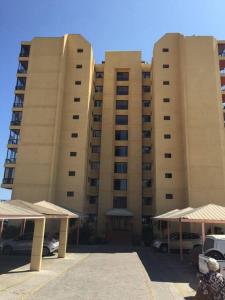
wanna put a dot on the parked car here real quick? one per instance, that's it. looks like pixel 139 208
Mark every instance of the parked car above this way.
pixel 23 244
pixel 214 246
pixel 190 241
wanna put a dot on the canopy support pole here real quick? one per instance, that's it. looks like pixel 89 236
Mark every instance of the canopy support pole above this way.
pixel 181 240
pixel 63 234
pixel 22 227
pixel 1 227
pixel 203 233
pixel 37 246
pixel 168 235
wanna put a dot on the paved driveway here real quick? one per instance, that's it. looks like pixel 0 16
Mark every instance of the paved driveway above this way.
pixel 97 273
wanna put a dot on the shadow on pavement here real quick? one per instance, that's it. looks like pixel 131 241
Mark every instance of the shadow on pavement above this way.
pixel 8 263
pixel 160 267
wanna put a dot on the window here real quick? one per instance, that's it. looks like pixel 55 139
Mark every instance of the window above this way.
pixel 122 90
pixel 146 103
pixel 166 118
pixel 167 136
pixel 25 50
pixel 95 165
pixel 93 182
pixel 166 82
pixel 165 49
pixel 16 118
pixel 121 151
pixel 121 135
pixel 14 136
pixel 70 194
pixel 93 199
pixel 146 89
pixel 146 118
pixel 119 202
pixel 8 175
pixel 96 133
pixel 76 99
pixel 80 50
pixel 98 88
pixel 146 75
pixel 74 135
pixel 71 173
pixel 23 67
pixel 146 133
pixel 168 175
pixel 146 183
pixel 75 117
pixel 99 74
pixel 79 66
pixel 120 184
pixel 95 149
pixel 147 200
pixel 73 153
pixel 121 119
pixel 77 82
pixel 98 103
pixel 21 83
pixel 146 149
pixel 18 100
pixel 11 156
pixel 166 99
pixel 146 166
pixel 165 66
pixel 167 155
pixel 97 118
pixel 121 104
pixel 120 167
pixel 122 76
pixel 169 196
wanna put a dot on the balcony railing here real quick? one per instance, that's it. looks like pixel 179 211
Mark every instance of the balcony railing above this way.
pixel 20 87
pixel 10 160
pixel 21 71
pixel 222 88
pixel 13 141
pixel 7 180
pixel 18 104
pixel 15 123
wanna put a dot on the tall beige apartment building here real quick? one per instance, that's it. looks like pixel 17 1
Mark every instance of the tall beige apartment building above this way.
pixel 123 140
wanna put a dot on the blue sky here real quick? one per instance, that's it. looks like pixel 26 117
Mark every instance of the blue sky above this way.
pixel 107 24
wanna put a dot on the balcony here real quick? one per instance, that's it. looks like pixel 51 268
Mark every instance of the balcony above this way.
pixel 7 180
pixel 18 104
pixel 13 141
pixel 10 160
pixel 15 123
pixel 25 51
pixel 21 83
pixel 22 68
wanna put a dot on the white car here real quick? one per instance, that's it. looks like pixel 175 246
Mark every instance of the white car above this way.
pixel 190 241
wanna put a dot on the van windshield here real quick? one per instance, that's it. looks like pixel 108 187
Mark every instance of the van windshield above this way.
pixel 209 244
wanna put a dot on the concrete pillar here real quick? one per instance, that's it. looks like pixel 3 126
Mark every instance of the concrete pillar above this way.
pixel 37 246
pixel 63 233
pixel 22 227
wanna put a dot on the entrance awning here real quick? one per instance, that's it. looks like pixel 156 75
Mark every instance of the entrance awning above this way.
pixel 119 212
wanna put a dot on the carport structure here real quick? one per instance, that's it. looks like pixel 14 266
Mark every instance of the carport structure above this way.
pixel 39 212
pixel 208 214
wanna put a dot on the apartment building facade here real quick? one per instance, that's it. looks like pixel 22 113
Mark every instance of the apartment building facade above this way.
pixel 122 140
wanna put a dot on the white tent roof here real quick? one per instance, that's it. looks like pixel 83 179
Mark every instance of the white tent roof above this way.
pixel 210 213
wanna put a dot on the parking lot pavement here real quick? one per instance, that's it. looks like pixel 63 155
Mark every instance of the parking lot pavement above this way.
pixel 98 272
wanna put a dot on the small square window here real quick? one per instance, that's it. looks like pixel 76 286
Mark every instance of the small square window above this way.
pixel 122 76
pixel 146 89
pixel 95 149
pixel 122 90
pixel 99 74
pixel 147 200
pixel 97 118
pixel 71 173
pixel 96 133
pixel 98 103
pixel 146 118
pixel 165 82
pixel 77 82
pixel 168 175
pixel 74 135
pixel 146 103
pixel 73 153
pixel 70 194
pixel 93 199
pixel 79 66
pixel 169 196
pixel 146 166
pixel 165 49
pixel 167 136
pixel 146 183
pixel 121 104
pixel 166 118
pixel 76 99
pixel 75 117
pixel 146 75
pixel 98 88
pixel 146 133
pixel 121 120
pixel 166 66
pixel 167 155
pixel 166 99
pixel 80 50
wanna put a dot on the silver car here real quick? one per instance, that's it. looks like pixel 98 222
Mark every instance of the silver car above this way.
pixel 23 244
